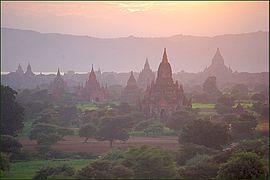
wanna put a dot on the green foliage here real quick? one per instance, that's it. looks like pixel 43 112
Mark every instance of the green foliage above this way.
pixel 114 128
pixel 4 162
pixel 243 165
pixel 204 132
pixel 87 131
pixel 48 134
pixel 63 171
pixel 199 167
pixel 12 113
pixel 67 115
pixel 179 118
pixel 240 91
pixel 258 146
pixel 188 151
pixel 27 169
pixel 64 132
pixel 115 156
pixel 9 144
pixel 154 129
pixel 244 127
pixel 150 162
pixel 102 169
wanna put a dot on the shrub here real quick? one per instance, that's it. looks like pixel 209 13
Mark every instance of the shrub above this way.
pixel 242 165
pixel 150 162
pixel 9 144
pixel 62 172
pixel 188 151
pixel 207 133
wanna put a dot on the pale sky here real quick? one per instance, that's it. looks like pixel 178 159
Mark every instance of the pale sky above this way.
pixel 142 19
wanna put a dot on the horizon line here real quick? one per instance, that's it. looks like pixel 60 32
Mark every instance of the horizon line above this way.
pixel 132 36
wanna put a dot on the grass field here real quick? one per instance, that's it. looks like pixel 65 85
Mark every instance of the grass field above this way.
pixel 245 105
pixel 203 106
pixel 89 107
pixel 27 169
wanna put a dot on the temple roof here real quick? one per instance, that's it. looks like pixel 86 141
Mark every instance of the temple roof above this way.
pixel 164 70
pixel 218 59
pixel 29 70
pixel 19 70
pixel 131 81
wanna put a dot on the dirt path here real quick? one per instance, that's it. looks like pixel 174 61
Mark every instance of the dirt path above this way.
pixel 76 144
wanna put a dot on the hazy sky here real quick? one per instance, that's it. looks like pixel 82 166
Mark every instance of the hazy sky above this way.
pixel 114 19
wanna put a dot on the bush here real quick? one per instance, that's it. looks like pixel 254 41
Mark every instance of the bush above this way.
pixel 63 172
pixel 204 169
pixel 188 151
pixel 242 165
pixel 102 169
pixel 150 162
pixel 4 162
pixel 9 144
pixel 204 132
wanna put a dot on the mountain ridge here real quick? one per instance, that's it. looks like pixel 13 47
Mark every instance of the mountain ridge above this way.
pixel 246 52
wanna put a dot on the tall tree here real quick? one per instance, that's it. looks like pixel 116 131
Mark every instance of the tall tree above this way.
pixel 11 112
pixel 114 128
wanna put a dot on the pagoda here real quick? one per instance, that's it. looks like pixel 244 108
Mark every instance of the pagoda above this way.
pixel 146 76
pixel 58 86
pixel 163 96
pixel 218 67
pixel 131 93
pixel 92 91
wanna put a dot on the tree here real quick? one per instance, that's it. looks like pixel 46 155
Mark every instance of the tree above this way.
pixel 67 115
pixel 113 128
pixel 242 165
pixel 224 105
pixel 64 132
pixel 11 112
pixel 4 162
pixel 102 169
pixel 199 167
pixel 207 133
pixel 244 126
pixel 154 129
pixel 58 172
pixel 46 134
pixel 87 131
pixel 239 91
pixel 178 119
pixel 9 144
pixel 189 150
pixel 150 162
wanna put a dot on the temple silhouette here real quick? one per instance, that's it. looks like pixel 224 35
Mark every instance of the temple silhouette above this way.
pixel 163 96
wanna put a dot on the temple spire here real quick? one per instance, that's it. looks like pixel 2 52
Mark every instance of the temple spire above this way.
pixel 146 65
pixel 218 59
pixel 58 72
pixel 164 58
pixel 19 70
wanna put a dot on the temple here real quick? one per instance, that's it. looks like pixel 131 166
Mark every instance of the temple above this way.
pixel 19 70
pixel 92 91
pixel 131 93
pixel 58 86
pixel 218 67
pixel 146 76
pixel 163 96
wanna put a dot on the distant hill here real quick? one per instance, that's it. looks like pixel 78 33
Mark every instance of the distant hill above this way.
pixel 246 52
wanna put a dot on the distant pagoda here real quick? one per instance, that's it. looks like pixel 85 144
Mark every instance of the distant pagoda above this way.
pixel 218 67
pixel 131 93
pixel 163 96
pixel 19 70
pixel 58 86
pixel 92 91
pixel 146 76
